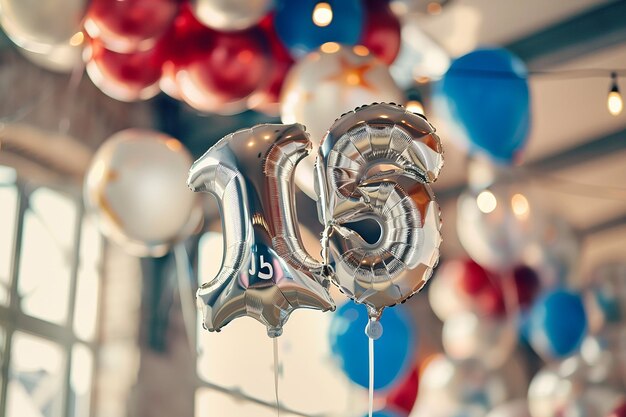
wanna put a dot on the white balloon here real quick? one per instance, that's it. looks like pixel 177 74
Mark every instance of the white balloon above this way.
pixel 63 58
pixel 136 184
pixel 327 83
pixel 39 25
pixel 229 15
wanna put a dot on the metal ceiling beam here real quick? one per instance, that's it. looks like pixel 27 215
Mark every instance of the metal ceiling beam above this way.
pixel 601 27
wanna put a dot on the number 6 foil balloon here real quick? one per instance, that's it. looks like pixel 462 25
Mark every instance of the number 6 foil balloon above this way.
pixel 265 273
pixel 375 164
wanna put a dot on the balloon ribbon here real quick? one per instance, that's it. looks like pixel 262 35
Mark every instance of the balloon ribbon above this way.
pixel 276 375
pixel 371 387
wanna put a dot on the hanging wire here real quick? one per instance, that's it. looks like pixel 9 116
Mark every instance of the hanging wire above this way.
pixel 570 74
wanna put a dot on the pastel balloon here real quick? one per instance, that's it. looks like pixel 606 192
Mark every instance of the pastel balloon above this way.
pixel 125 77
pixel 496 225
pixel 266 273
pixel 327 83
pixel 550 335
pixel 373 172
pixel 227 15
pixel 62 58
pixel 221 70
pixel 133 186
pixel 130 25
pixel 381 32
pixel 40 25
pixel 303 27
pixel 489 340
pixel 484 96
pixel 394 354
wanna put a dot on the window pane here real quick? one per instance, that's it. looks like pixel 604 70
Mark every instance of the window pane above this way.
pixel 36 377
pixel 87 289
pixel 8 210
pixel 45 264
pixel 80 381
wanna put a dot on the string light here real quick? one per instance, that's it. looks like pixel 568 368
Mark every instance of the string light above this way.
pixel 614 101
pixel 322 14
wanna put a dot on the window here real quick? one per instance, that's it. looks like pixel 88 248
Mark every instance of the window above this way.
pixel 50 262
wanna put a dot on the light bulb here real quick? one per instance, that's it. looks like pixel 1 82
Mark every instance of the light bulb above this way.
pixel 614 101
pixel 322 14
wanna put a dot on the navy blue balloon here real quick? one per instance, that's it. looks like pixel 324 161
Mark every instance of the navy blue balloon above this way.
pixel 296 29
pixel 557 324
pixel 485 96
pixel 384 413
pixel 394 352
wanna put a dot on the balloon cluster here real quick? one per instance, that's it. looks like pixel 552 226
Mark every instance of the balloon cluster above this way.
pixel 220 56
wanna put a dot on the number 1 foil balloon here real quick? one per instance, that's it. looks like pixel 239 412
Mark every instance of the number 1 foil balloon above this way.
pixel 376 163
pixel 265 273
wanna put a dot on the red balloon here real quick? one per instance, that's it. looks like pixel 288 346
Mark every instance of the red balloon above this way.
pixel 483 287
pixel 217 72
pixel 381 32
pixel 125 77
pixel 620 411
pixel 403 396
pixel 527 285
pixel 130 25
pixel 267 99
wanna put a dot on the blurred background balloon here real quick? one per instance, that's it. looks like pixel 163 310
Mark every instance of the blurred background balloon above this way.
pixel 489 340
pixel 515 408
pixel 403 395
pixel 448 386
pixel 219 71
pixel 496 224
pixel 608 287
pixel 124 76
pixel 63 57
pixel 304 25
pixel 557 324
pixel 327 83
pixel 229 15
pixel 130 25
pixel 40 26
pixel 394 354
pixel 381 32
pixel 133 186
pixel 489 113
pixel 267 99
pixel 385 413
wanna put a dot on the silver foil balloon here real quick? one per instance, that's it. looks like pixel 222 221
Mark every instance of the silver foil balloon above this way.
pixel 373 167
pixel 265 273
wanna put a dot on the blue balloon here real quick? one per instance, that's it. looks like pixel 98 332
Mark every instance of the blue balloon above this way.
pixel 484 96
pixel 384 413
pixel 296 29
pixel 393 352
pixel 557 324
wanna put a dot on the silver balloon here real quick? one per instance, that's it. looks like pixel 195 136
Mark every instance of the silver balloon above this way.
pixel 489 340
pixel 373 169
pixel 41 25
pixel 133 186
pixel 327 83
pixel 266 273
pixel 227 15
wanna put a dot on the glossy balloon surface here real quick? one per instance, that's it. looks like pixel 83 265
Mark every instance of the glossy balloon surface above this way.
pixel 227 15
pixel 133 186
pixel 484 95
pixel 130 25
pixel 300 34
pixel 266 273
pixel 374 168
